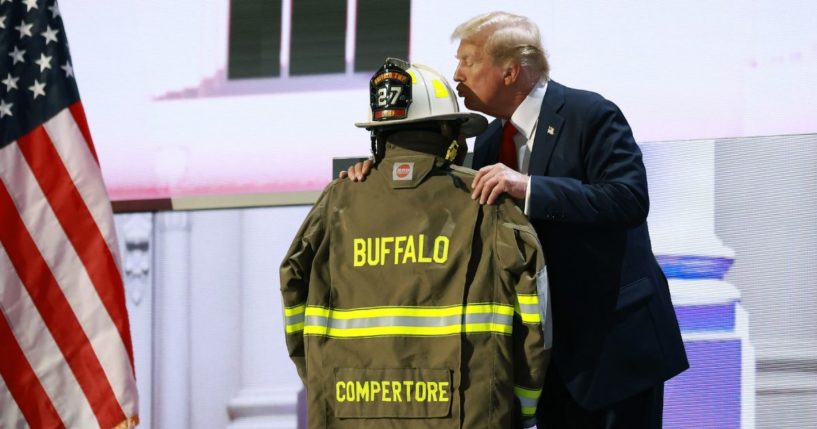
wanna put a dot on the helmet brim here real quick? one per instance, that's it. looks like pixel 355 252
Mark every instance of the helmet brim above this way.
pixel 472 125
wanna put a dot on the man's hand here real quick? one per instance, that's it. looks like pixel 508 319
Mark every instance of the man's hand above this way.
pixel 491 181
pixel 357 172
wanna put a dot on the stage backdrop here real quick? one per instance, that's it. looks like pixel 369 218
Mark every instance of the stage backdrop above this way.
pixel 205 97
pixel 193 97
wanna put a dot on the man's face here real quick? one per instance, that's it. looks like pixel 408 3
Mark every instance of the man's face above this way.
pixel 480 81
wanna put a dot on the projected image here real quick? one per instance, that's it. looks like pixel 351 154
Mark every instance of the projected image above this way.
pixel 318 36
pixel 280 83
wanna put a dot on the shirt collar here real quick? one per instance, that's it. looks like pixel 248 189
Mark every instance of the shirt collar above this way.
pixel 526 116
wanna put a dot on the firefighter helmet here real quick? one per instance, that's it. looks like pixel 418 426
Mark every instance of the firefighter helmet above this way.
pixel 402 93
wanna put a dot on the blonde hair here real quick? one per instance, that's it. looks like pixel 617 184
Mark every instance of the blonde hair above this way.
pixel 507 38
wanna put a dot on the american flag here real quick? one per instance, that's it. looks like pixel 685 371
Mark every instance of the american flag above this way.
pixel 66 358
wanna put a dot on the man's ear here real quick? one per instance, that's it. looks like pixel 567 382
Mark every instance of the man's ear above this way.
pixel 511 73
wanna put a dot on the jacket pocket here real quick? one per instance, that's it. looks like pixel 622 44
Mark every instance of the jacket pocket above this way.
pixel 634 293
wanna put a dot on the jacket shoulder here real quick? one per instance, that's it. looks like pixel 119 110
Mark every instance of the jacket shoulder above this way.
pixel 585 99
pixel 464 171
pixel 334 186
pixel 330 189
pixel 465 176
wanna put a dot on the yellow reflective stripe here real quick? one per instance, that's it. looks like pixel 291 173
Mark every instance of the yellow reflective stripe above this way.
pixel 294 310
pixel 294 318
pixel 295 327
pixel 488 327
pixel 528 298
pixel 379 331
pixel 363 313
pixel 527 393
pixel 531 318
pixel 527 399
pixel 489 308
pixel 409 321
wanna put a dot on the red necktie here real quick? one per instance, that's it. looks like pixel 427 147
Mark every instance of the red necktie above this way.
pixel 507 149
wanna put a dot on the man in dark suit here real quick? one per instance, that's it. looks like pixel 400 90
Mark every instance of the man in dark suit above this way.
pixel 575 165
pixel 569 157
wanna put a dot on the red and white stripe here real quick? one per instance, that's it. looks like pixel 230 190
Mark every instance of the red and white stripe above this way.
pixel 67 359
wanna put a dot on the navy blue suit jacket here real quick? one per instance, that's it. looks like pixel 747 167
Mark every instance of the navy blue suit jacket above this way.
pixel 615 330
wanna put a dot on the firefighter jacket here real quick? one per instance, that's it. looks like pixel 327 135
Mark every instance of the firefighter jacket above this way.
pixel 410 305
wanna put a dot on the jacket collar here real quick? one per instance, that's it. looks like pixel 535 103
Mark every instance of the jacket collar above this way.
pixel 410 156
pixel 486 148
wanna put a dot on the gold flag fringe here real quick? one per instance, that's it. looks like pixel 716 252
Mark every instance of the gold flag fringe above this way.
pixel 128 423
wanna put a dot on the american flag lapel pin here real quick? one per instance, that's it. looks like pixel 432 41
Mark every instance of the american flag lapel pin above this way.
pixel 551 131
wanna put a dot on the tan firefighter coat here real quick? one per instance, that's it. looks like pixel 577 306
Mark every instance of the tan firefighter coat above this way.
pixel 410 305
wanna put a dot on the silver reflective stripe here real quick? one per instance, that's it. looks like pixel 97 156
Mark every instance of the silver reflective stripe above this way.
pixel 370 322
pixel 544 306
pixel 292 320
pixel 530 309
pixel 500 319
pixel 381 321
pixel 528 399
pixel 473 318
pixel 528 403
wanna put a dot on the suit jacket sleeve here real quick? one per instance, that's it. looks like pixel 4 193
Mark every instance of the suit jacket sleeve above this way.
pixel 604 181
pixel 295 274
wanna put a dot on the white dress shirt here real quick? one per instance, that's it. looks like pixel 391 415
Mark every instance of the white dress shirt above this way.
pixel 524 119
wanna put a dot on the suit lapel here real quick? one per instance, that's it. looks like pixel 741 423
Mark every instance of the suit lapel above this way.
pixel 547 130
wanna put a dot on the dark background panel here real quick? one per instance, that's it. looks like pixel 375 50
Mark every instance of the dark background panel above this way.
pixel 318 37
pixel 382 31
pixel 255 39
